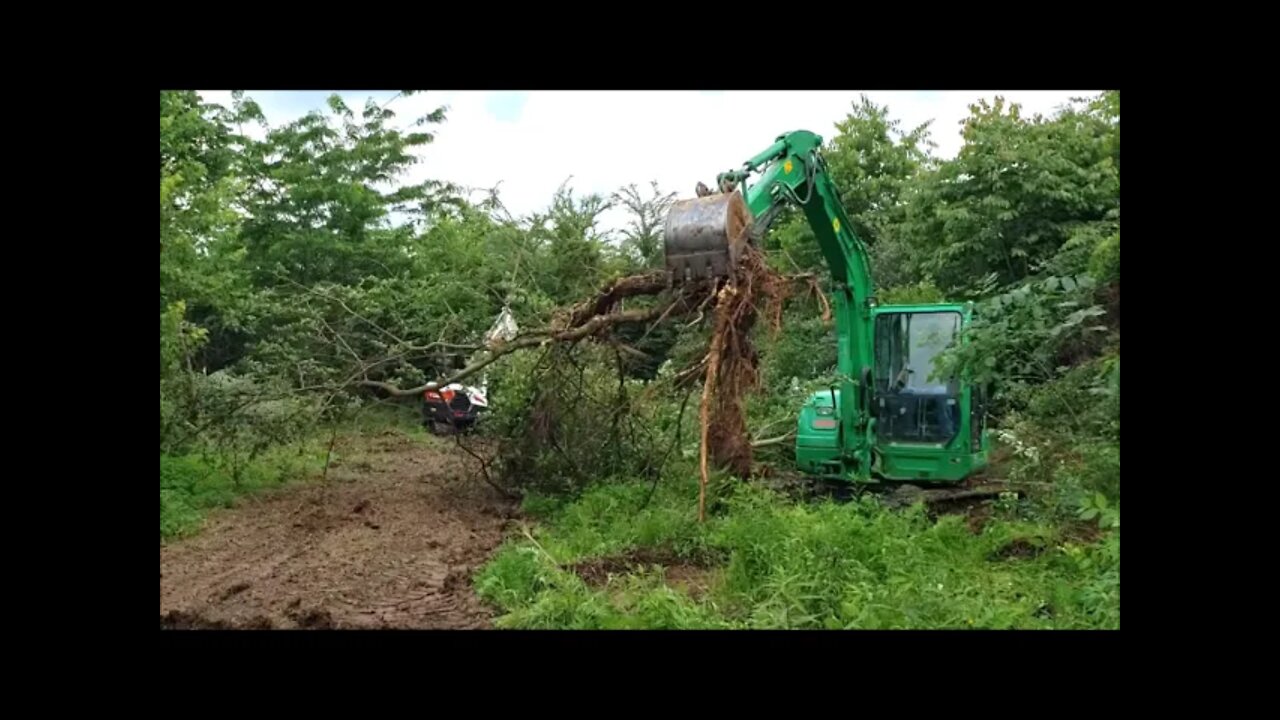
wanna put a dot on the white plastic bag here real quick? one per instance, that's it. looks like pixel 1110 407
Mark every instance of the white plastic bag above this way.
pixel 504 328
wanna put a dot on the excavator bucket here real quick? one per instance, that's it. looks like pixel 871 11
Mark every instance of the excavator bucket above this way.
pixel 704 237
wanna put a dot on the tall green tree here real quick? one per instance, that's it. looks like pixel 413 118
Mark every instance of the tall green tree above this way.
pixel 872 161
pixel 323 193
pixel 197 186
pixel 1018 191
pixel 643 235
pixel 575 257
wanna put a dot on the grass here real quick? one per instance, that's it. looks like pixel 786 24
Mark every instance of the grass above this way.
pixel 194 483
pixel 190 485
pixel 774 563
pixel 788 565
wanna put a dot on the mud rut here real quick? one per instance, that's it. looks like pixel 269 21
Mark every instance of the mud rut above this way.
pixel 390 541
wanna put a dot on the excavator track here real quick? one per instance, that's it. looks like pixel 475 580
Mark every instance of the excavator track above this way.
pixel 891 494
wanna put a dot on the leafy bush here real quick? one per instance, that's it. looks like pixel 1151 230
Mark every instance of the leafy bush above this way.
pixel 1029 336
pixel 805 348
pixel 192 484
pixel 924 291
pixel 1104 262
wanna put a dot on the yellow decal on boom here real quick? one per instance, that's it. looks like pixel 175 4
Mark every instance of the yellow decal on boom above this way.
pixel 786 167
pixel 835 223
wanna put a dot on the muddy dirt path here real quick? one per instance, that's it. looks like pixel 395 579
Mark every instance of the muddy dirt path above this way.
pixel 389 540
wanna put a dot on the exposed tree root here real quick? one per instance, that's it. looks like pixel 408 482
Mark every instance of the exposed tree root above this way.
pixel 733 365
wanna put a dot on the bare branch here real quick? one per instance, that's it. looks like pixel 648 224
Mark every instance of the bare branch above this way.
pixel 756 435
pixel 773 441
pixel 587 329
pixel 484 470
pixel 632 351
pixel 317 293
pixel 647 284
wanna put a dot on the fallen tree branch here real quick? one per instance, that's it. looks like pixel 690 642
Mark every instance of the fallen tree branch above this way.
pixel 690 372
pixel 942 495
pixel 773 441
pixel 524 530
pixel 587 329
pixel 756 435
pixel 451 346
pixel 822 298
pixel 603 303
pixel 935 496
pixel 632 351
pixel 484 470
pixel 701 309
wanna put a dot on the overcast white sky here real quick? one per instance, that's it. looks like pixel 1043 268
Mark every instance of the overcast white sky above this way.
pixel 533 141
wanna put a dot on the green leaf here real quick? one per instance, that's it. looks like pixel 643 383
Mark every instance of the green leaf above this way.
pixel 337 105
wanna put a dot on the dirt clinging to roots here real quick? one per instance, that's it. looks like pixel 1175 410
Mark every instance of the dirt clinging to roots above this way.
pixel 733 362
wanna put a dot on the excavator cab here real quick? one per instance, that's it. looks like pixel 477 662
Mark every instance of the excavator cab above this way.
pixel 930 424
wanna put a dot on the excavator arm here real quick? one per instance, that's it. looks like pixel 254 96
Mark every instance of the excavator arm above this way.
pixel 704 237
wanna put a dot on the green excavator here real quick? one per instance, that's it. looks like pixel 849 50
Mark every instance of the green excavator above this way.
pixel 889 416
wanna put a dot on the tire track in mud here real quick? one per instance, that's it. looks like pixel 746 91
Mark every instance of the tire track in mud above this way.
pixel 392 546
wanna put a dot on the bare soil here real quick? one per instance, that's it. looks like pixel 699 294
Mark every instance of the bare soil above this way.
pixel 390 541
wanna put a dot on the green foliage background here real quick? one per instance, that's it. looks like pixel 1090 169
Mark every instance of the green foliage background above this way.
pixel 297 262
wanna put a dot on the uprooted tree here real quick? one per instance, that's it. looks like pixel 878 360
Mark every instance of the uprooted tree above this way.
pixel 728 363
